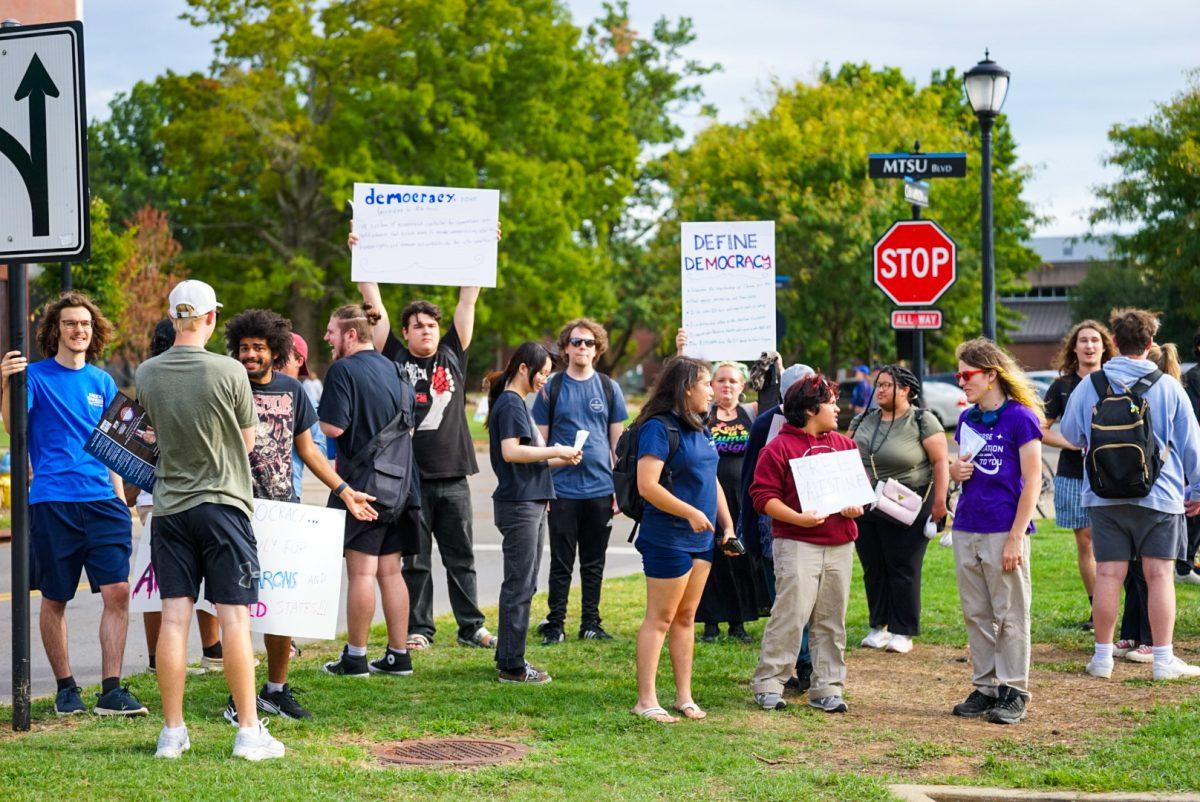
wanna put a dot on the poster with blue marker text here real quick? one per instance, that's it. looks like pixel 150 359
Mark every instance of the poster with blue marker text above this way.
pixel 728 278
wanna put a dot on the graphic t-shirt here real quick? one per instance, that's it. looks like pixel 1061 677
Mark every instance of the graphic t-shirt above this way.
pixel 1070 462
pixel 989 498
pixel 363 392
pixel 693 480
pixel 582 405
pixel 517 481
pixel 283 412
pixel 731 437
pixel 64 407
pixel 442 442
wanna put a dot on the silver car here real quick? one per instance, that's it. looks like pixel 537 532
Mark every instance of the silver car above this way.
pixel 945 401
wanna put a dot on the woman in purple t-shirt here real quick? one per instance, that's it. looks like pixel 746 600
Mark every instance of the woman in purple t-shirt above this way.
pixel 1000 466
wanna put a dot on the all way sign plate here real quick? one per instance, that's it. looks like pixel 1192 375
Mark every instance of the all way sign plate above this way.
pixel 910 319
pixel 43 144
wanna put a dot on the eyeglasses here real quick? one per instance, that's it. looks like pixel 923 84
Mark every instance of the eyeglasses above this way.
pixel 580 342
pixel 82 325
pixel 967 375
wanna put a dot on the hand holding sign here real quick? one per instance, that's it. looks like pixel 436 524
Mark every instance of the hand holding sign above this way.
pixel 832 483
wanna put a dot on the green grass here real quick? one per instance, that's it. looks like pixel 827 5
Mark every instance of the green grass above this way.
pixel 583 742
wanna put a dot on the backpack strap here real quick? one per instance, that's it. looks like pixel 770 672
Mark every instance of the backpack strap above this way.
pixel 610 390
pixel 1100 383
pixel 556 384
pixel 1142 385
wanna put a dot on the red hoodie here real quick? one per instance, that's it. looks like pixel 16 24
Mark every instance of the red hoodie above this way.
pixel 773 479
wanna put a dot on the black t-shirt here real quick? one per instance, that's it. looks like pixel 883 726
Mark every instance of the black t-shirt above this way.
pixel 1070 462
pixel 363 392
pixel 442 442
pixel 284 411
pixel 518 481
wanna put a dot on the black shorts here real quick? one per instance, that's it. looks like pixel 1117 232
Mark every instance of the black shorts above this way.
pixel 209 542
pixel 375 538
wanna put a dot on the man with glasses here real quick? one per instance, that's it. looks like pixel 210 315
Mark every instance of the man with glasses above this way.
pixel 576 401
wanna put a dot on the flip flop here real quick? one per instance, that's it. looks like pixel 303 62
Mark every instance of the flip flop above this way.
pixel 416 643
pixel 687 707
pixel 652 713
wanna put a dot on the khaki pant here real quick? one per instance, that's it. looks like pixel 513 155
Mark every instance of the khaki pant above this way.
pixel 812 583
pixel 995 606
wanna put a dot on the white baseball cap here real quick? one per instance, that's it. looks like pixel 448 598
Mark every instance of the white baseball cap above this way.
pixel 197 295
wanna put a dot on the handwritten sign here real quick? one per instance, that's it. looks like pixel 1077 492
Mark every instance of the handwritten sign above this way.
pixel 828 483
pixel 300 564
pixel 123 441
pixel 728 289
pixel 425 235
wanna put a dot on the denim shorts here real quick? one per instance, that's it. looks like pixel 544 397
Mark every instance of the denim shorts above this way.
pixel 665 562
pixel 1069 512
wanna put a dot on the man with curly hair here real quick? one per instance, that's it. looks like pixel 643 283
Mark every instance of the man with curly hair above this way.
pixel 262 341
pixel 77 519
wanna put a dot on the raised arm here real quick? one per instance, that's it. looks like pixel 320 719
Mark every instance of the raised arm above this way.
pixel 371 295
pixel 464 315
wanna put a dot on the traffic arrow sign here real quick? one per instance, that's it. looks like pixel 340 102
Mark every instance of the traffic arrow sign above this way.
pixel 43 141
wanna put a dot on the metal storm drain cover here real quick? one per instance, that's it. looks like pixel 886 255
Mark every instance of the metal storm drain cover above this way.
pixel 449 752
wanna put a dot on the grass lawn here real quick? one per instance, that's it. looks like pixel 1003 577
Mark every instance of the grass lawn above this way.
pixel 584 744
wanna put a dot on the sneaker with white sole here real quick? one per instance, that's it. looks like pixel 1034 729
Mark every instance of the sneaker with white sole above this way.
pixel 1099 668
pixel 877 638
pixel 830 704
pixel 1190 578
pixel 172 744
pixel 1124 647
pixel 1176 669
pixel 256 743
pixel 770 701
pixel 900 644
pixel 1142 654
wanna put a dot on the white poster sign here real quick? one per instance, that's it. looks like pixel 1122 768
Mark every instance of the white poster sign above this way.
pixel 300 559
pixel 425 235
pixel 728 274
pixel 828 483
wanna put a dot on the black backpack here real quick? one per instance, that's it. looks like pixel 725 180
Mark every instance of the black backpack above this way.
pixel 629 500
pixel 386 467
pixel 1122 458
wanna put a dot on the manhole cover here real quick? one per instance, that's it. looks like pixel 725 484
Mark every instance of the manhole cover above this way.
pixel 449 752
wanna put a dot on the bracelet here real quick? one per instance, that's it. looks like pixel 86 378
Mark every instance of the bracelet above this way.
pixel 338 490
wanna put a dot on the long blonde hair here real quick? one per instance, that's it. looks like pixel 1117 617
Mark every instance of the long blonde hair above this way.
pixel 1166 357
pixel 985 354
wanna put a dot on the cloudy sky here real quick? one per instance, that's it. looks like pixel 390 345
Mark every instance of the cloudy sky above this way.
pixel 1077 67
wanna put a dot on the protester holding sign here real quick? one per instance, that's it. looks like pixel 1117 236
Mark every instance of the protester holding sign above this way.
pixel 76 516
pixel 903 449
pixel 1000 467
pixel 204 420
pixel 813 554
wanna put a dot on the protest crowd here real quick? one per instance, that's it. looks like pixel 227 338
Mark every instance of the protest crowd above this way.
pixel 717 485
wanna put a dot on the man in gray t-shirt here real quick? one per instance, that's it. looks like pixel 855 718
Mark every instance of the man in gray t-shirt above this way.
pixel 201 408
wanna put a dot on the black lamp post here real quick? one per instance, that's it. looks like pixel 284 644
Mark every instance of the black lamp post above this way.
pixel 986 85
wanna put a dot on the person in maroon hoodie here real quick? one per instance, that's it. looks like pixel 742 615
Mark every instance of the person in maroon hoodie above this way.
pixel 814 555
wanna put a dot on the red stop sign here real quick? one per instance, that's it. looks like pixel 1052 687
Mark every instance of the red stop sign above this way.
pixel 915 262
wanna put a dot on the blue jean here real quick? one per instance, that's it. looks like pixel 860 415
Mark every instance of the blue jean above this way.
pixel 522 526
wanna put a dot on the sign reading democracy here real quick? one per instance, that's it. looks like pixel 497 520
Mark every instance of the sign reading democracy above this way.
pixel 425 235
pixel 829 483
pixel 728 274
pixel 300 571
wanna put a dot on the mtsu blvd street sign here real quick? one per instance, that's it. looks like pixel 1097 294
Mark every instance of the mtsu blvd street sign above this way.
pixel 915 262
pixel 917 165
pixel 43 144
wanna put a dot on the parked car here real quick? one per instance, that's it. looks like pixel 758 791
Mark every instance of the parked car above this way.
pixel 944 401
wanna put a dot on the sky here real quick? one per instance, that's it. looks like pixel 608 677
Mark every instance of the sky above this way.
pixel 1077 67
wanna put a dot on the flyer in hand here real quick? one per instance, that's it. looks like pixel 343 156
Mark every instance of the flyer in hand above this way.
pixel 124 442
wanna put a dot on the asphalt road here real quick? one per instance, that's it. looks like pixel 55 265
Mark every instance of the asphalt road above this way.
pixel 83 614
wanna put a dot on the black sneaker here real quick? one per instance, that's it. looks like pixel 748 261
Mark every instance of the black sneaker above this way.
pixel 281 703
pixel 1009 709
pixel 119 702
pixel 525 676
pixel 394 663
pixel 711 633
pixel 552 635
pixel 230 712
pixel 738 632
pixel 976 705
pixel 68 702
pixel 594 633
pixel 348 665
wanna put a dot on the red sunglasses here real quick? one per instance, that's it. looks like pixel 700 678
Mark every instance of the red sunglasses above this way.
pixel 967 375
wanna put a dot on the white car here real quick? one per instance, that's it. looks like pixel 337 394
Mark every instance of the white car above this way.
pixel 945 401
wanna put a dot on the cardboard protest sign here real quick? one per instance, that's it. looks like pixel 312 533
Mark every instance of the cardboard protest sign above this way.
pixel 300 563
pixel 828 483
pixel 124 442
pixel 425 235
pixel 728 274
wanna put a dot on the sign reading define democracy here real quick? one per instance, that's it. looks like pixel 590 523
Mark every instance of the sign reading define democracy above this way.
pixel 300 562
pixel 425 235
pixel 728 274
pixel 829 483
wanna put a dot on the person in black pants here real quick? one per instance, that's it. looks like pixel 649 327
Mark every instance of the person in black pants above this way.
pixel 580 400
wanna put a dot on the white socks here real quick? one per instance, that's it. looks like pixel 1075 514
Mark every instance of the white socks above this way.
pixel 1104 653
pixel 274 687
pixel 1163 655
pixel 356 651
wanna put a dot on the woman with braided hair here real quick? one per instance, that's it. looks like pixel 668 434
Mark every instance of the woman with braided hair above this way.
pixel 900 441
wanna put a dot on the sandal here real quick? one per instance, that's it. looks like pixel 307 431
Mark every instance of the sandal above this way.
pixel 655 714
pixel 691 710
pixel 482 639
pixel 417 643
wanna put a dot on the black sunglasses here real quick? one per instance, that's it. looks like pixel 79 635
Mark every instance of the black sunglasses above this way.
pixel 580 342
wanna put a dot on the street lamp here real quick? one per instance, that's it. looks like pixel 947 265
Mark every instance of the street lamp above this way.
pixel 986 85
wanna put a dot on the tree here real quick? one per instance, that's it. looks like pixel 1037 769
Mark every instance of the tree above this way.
pixel 144 280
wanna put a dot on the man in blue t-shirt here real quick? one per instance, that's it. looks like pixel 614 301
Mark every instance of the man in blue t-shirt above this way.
pixel 580 400
pixel 77 518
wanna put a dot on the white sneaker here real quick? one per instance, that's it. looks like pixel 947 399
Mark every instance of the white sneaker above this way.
pixel 1099 668
pixel 255 743
pixel 1142 654
pixel 877 638
pixel 172 744
pixel 900 644
pixel 1190 578
pixel 1176 669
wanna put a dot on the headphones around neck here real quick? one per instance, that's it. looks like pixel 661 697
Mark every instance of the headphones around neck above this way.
pixel 988 417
